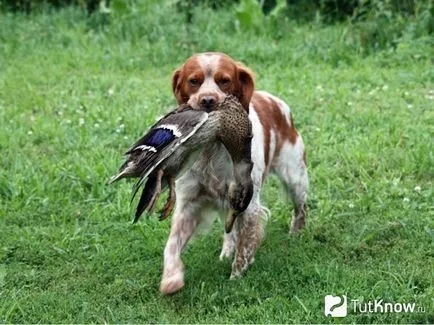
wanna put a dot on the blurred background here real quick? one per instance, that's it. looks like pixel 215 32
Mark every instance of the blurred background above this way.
pixel 368 25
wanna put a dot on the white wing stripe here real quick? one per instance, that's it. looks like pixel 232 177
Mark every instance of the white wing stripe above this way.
pixel 171 127
pixel 149 148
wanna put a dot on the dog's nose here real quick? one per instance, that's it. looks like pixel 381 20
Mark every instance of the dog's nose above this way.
pixel 207 102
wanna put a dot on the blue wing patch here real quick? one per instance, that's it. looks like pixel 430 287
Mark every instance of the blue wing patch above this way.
pixel 160 138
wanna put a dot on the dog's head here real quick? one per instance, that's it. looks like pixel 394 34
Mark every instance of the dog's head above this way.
pixel 205 79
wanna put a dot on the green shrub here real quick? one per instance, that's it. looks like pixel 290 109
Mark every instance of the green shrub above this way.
pixel 377 25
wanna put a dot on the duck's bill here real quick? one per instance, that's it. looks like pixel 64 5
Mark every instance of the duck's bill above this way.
pixel 230 220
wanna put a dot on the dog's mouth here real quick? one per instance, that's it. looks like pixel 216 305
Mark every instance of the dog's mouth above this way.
pixel 208 109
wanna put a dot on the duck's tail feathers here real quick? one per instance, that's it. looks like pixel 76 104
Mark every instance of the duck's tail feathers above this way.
pixel 117 177
pixel 147 196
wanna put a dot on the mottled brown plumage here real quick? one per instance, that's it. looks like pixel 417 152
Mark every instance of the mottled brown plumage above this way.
pixel 235 127
pixel 236 134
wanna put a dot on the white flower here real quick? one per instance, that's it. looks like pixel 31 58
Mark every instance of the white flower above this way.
pixel 125 137
pixel 409 106
pixel 111 91
pixel 406 200
pixel 96 125
pixel 81 121
pixel 68 121
pixel 30 132
pixel 385 87
pixel 122 126
pixel 351 205
pixel 417 188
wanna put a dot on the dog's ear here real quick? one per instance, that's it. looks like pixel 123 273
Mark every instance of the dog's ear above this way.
pixel 177 85
pixel 246 84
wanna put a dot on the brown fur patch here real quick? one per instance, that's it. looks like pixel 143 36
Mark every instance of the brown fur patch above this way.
pixel 242 79
pixel 292 136
pixel 181 88
pixel 273 119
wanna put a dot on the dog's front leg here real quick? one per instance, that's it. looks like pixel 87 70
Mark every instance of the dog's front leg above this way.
pixel 184 224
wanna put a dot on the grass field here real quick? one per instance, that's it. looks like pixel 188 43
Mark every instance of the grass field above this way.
pixel 73 97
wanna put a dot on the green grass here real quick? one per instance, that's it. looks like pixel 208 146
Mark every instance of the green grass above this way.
pixel 73 98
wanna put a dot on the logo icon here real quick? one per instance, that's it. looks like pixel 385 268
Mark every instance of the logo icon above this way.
pixel 335 306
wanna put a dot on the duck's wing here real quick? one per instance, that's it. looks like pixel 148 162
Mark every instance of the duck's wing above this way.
pixel 146 153
pixel 173 117
pixel 164 138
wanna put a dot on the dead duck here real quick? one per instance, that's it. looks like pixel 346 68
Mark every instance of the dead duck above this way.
pixel 146 158
pixel 163 152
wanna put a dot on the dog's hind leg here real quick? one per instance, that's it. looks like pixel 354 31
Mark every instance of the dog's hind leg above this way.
pixel 249 229
pixel 291 167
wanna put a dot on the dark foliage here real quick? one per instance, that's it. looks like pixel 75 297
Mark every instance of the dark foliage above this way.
pixel 30 5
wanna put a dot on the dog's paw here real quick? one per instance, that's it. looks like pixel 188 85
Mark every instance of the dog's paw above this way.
pixel 226 253
pixel 235 275
pixel 172 284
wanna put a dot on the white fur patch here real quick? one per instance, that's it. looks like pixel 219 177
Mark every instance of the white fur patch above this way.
pixel 258 156
pixel 209 62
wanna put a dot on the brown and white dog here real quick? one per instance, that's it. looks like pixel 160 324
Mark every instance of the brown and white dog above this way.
pixel 203 81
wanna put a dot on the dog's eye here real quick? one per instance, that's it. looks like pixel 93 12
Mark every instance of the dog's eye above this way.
pixel 194 82
pixel 225 81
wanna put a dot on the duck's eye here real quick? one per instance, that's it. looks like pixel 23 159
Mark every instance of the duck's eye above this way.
pixel 194 82
pixel 225 81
